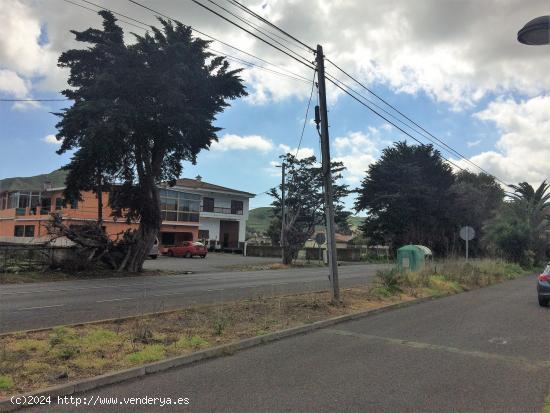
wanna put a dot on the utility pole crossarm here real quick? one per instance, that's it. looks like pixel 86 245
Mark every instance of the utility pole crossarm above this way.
pixel 327 178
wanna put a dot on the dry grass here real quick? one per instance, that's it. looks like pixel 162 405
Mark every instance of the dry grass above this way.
pixel 30 361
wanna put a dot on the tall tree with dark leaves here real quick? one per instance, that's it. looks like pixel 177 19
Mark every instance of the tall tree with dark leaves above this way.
pixel 406 196
pixel 304 203
pixel 140 110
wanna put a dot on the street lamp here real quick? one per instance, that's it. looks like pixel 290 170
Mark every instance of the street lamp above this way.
pixel 536 32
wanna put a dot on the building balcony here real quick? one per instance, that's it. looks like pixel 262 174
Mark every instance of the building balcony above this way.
pixel 222 210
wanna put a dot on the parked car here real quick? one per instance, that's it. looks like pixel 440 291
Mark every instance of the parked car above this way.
pixel 188 249
pixel 543 287
pixel 154 253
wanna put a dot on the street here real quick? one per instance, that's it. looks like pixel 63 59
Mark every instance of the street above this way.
pixel 483 351
pixel 38 305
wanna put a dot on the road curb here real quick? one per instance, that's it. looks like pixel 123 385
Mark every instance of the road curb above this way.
pixel 88 384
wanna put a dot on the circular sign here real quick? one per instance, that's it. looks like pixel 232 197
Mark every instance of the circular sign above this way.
pixel 467 233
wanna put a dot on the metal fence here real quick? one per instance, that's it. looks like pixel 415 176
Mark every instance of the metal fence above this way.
pixel 21 258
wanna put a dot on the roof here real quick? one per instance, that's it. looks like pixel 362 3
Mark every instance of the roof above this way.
pixel 202 185
pixel 422 248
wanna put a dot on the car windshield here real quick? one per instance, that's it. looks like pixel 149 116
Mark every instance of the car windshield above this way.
pixel 198 244
pixel 547 270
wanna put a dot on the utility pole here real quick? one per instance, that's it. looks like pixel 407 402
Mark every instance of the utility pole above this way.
pixel 283 213
pixel 327 178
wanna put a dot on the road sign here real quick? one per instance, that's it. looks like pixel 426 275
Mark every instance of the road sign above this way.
pixel 467 233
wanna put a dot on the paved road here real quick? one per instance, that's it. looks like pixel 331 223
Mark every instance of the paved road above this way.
pixel 27 306
pixel 482 351
pixel 214 262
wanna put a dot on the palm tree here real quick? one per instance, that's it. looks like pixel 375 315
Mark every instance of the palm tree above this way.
pixel 535 204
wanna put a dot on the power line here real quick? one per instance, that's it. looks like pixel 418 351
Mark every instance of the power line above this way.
pixel 304 61
pixel 290 74
pixel 333 79
pixel 252 13
pixel 212 37
pixel 387 120
pixel 307 113
pixel 412 121
pixel 254 26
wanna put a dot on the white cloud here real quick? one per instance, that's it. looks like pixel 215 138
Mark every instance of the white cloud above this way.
pixel 51 140
pixel 523 149
pixel 471 144
pixel 230 142
pixel 443 49
pixel 357 150
pixel 303 152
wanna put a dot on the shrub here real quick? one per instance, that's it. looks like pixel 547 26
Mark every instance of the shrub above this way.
pixel 390 280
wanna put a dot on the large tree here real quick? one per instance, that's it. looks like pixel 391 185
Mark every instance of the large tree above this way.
pixel 304 203
pixel 476 199
pixel 406 196
pixel 146 107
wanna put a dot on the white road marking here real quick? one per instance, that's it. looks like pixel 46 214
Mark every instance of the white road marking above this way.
pixel 37 308
pixel 116 299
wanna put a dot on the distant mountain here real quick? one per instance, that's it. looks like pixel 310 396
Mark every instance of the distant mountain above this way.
pixel 355 222
pixel 35 183
pixel 259 219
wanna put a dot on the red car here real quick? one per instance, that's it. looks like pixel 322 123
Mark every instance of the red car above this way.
pixel 188 249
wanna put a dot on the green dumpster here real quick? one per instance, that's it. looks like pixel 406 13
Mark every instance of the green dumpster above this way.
pixel 412 257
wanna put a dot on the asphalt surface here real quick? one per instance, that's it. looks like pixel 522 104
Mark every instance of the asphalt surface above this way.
pixel 483 351
pixel 37 305
pixel 214 262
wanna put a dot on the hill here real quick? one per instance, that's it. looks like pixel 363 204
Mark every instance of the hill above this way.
pixel 259 219
pixel 35 183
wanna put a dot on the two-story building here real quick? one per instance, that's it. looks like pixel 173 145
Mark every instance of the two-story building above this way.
pixel 191 210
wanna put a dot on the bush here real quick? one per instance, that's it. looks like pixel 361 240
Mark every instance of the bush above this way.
pixel 390 280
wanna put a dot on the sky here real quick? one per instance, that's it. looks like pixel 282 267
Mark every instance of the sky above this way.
pixel 455 67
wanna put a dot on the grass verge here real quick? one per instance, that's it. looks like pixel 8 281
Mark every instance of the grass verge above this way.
pixel 34 360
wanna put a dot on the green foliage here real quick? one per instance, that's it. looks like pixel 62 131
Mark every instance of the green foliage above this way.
pixel 148 354
pixel 194 342
pixel 6 382
pixel 259 220
pixel 62 335
pixel 390 280
pixel 220 324
pixel 406 196
pixel 411 196
pixel 304 202
pixel 140 109
pixel 519 231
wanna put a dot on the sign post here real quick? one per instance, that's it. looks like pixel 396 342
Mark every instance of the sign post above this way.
pixel 467 234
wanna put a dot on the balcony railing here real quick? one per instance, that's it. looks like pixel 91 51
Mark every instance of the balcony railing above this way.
pixel 221 210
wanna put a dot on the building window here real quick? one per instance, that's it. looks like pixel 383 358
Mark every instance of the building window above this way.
pixel 29 231
pixel 60 203
pixel 208 204
pixel 179 206
pixel 237 207
pixel 24 231
pixel 204 234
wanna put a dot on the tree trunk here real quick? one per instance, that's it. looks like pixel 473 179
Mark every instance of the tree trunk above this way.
pixel 99 194
pixel 149 227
